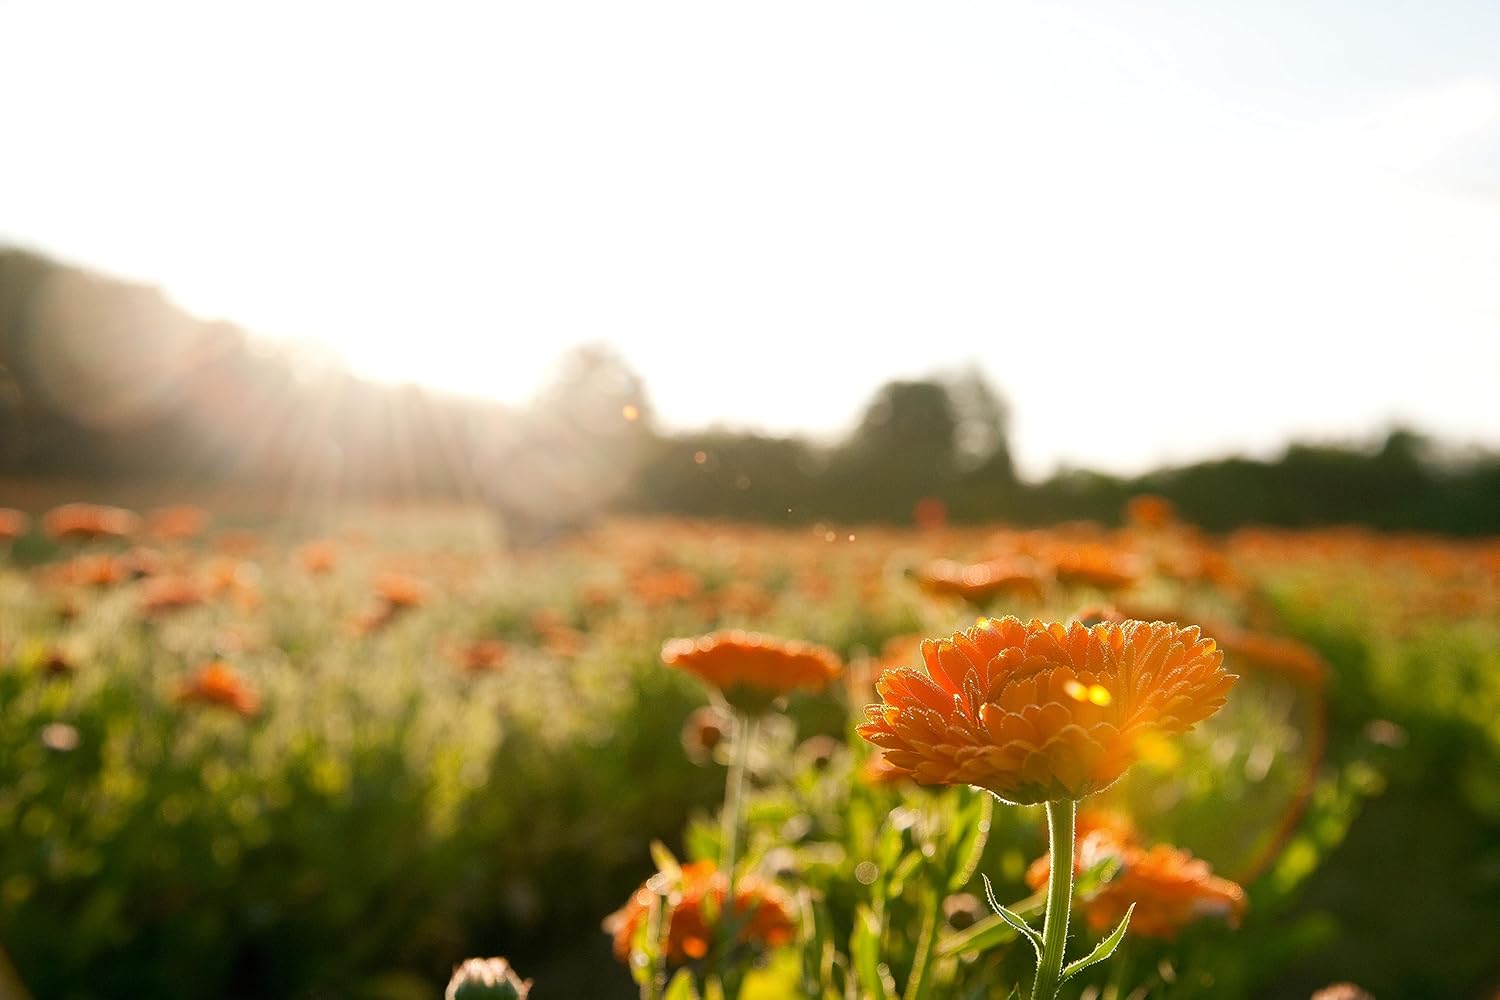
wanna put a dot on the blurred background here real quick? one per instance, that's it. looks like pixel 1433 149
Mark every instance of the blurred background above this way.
pixel 460 354
pixel 1023 254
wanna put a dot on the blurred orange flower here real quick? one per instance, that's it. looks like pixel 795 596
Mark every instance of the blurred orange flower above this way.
pixel 765 912
pixel 399 591
pixel 1169 887
pixel 1276 654
pixel 318 556
pixel 1038 711
pixel 1148 510
pixel 981 582
pixel 177 523
pixel 1095 564
pixel 217 683
pixel 13 524
pixel 750 669
pixel 169 593
pixel 483 655
pixel 88 520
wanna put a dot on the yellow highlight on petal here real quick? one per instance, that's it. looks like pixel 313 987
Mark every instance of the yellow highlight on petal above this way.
pixel 1098 694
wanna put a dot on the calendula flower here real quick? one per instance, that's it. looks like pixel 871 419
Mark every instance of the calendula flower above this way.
pixel 217 683
pixel 177 523
pixel 762 911
pixel 13 524
pixel 982 582
pixel 88 521
pixel 486 979
pixel 750 669
pixel 1167 885
pixel 161 594
pixel 1095 564
pixel 1147 510
pixel 318 556
pixel 1276 654
pixel 1044 712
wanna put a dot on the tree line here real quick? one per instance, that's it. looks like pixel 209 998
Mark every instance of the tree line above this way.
pixel 103 380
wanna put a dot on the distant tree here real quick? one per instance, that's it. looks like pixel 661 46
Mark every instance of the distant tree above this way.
pixel 573 453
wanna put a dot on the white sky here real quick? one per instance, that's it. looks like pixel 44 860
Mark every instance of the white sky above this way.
pixel 1167 232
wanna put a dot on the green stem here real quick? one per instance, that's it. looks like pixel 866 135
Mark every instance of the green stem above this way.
pixel 1060 816
pixel 921 968
pixel 742 734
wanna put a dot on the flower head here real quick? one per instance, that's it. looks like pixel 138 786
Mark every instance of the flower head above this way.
pixel 982 582
pixel 486 979
pixel 87 520
pixel 1037 711
pixel 1168 886
pixel 764 913
pixel 217 683
pixel 13 524
pixel 753 670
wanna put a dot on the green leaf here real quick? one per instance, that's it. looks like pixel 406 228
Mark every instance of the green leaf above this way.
pixel 1014 919
pixel 666 862
pixel 681 987
pixel 970 846
pixel 982 935
pixel 875 980
pixel 1104 949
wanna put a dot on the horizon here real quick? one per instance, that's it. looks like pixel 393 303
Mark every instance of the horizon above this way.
pixel 1103 187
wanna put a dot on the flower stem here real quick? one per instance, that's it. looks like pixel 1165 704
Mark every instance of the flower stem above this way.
pixel 743 733
pixel 1060 817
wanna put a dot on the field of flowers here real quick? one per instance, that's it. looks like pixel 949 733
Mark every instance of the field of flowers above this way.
pixel 247 757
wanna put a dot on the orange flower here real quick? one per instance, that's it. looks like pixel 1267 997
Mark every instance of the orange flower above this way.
pixel 400 591
pixel 1169 887
pixel 217 683
pixel 753 670
pixel 177 523
pixel 1275 654
pixel 169 593
pixel 1096 564
pixel 483 655
pixel 1040 712
pixel 87 520
pixel 1147 510
pixel 981 582
pixel 318 556
pixel 765 912
pixel 13 524
pixel 96 570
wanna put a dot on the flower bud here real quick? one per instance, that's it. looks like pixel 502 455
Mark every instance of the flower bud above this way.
pixel 486 979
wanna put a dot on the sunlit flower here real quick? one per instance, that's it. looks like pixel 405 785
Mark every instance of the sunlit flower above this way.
pixel 483 656
pixel 1148 510
pixel 658 588
pixel 486 979
pixel 88 521
pixel 1039 711
pixel 980 583
pixel 400 591
pixel 177 523
pixel 1168 886
pixel 1095 564
pixel 763 911
pixel 1274 653
pixel 217 683
pixel 318 556
pixel 169 593
pixel 13 524
pixel 750 669
pixel 99 569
